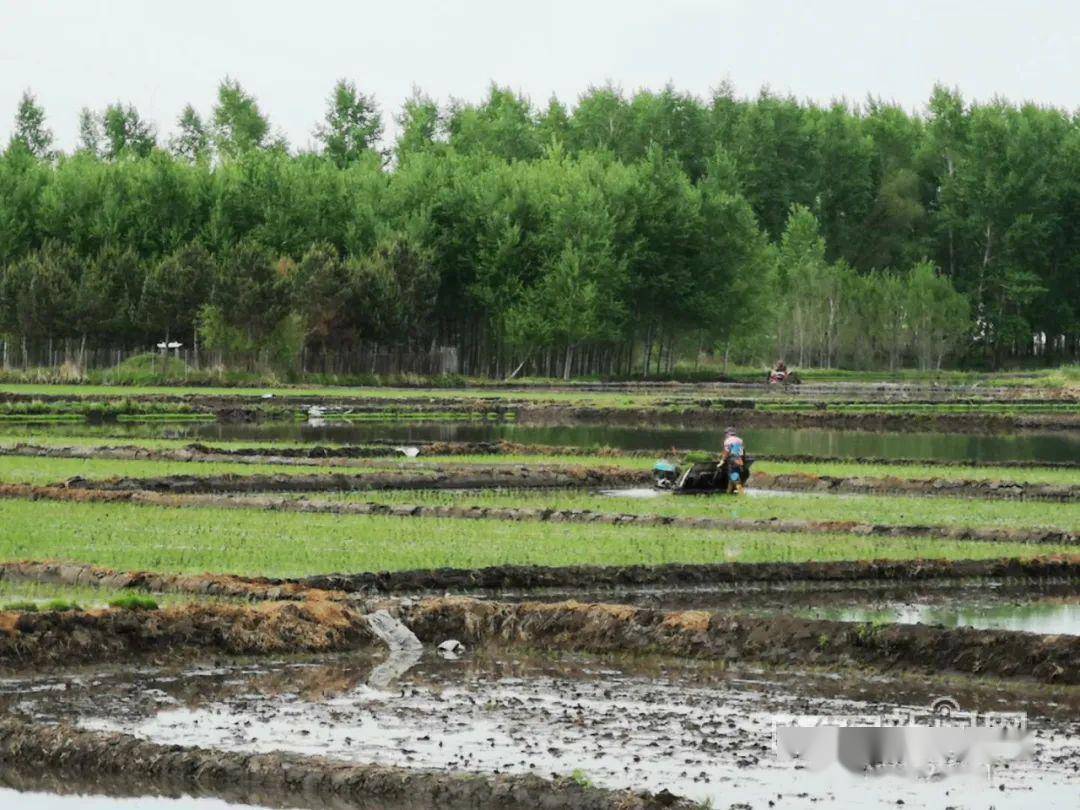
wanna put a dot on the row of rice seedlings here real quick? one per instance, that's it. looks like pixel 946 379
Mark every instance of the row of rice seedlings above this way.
pixel 130 536
pixel 877 509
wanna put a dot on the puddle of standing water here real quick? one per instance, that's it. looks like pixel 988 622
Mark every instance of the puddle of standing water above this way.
pixel 705 734
pixel 52 801
pixel 985 605
pixel 1063 445
pixel 1050 616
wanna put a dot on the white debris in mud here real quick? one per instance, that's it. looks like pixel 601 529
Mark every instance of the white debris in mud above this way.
pixel 451 648
pixel 712 744
pixel 637 493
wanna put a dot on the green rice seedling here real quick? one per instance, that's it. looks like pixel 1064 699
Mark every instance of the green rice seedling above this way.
pixel 133 601
pixel 128 536
pixel 60 606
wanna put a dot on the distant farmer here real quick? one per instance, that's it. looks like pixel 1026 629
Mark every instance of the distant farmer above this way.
pixel 733 458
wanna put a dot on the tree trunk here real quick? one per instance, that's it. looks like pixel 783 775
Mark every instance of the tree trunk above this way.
pixel 648 352
pixel 569 362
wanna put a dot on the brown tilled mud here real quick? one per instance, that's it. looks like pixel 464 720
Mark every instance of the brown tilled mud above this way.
pixel 547 476
pixel 530 577
pixel 96 754
pixel 227 586
pixel 435 477
pixel 891 485
pixel 359 455
pixel 75 636
pixel 783 641
pixel 340 587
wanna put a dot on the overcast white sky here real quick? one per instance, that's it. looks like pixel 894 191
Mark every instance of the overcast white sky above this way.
pixel 161 55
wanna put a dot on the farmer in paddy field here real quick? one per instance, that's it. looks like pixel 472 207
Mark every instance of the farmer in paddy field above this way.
pixel 733 456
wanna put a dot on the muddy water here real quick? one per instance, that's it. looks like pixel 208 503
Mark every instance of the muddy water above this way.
pixel 79 801
pixel 696 730
pixel 1024 446
pixel 1050 609
pixel 1051 616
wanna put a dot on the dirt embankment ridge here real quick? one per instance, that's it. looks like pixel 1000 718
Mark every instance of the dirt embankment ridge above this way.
pixel 76 636
pixel 348 587
pixel 531 577
pixel 559 477
pixel 358 454
pixel 782 640
pixel 434 477
pixel 227 586
pixel 96 754
pixel 326 625
pixel 984 489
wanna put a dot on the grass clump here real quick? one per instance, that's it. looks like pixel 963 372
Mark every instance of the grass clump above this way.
pixel 133 601
pixel 60 606
pixel 21 606
pixel 581 778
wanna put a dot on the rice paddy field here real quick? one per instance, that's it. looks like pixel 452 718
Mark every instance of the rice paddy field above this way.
pixel 481 596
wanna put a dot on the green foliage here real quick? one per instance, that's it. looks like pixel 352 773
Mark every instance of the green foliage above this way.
pixel 149 366
pixel 353 124
pixel 125 132
pixel 192 139
pixel 21 606
pixel 831 315
pixel 60 606
pixel 133 601
pixel 581 778
pixel 617 237
pixel 30 132
pixel 239 125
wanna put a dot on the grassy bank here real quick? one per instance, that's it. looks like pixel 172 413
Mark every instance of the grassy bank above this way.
pixel 18 595
pixel 151 370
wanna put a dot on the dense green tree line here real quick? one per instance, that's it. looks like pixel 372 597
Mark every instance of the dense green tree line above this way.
pixel 620 234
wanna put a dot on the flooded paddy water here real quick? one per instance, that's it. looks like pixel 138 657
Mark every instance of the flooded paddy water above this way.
pixel 700 729
pixel 39 800
pixel 1046 608
pixel 1063 445
pixel 696 730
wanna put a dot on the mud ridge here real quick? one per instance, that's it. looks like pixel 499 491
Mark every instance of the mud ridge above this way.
pixel 781 640
pixel 984 489
pixel 349 587
pixel 531 577
pixel 541 477
pixel 67 637
pixel 367 591
pixel 227 586
pixel 900 422
pixel 96 754
pixel 434 477
pixel 342 455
